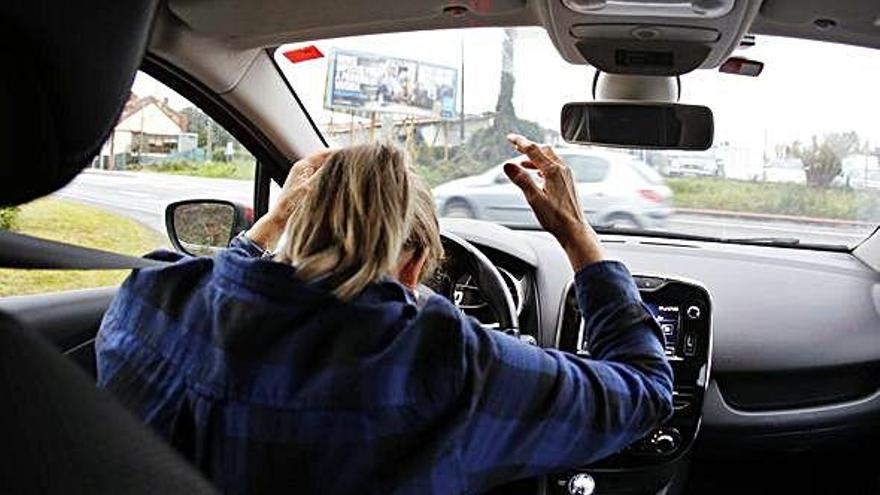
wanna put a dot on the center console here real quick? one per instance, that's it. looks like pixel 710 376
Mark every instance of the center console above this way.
pixel 683 311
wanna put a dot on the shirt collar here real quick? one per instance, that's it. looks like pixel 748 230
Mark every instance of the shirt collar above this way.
pixel 279 281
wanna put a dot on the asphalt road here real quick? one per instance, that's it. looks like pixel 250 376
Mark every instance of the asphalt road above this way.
pixel 143 197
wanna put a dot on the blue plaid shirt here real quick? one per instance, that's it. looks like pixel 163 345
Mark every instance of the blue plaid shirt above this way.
pixel 270 384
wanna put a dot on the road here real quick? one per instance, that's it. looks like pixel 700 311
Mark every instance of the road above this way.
pixel 143 196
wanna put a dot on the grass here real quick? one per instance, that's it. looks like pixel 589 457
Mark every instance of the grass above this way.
pixel 783 199
pixel 88 226
pixel 241 170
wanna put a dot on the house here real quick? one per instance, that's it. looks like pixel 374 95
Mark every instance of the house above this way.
pixel 148 129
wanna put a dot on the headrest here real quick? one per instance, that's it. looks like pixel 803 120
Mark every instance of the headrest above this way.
pixel 67 70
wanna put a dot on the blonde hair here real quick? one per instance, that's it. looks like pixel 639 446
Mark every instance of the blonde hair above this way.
pixel 424 237
pixel 350 229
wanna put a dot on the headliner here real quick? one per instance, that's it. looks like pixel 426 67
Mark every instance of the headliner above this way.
pixel 268 23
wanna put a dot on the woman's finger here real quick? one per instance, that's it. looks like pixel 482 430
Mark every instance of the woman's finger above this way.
pixel 530 149
pixel 521 178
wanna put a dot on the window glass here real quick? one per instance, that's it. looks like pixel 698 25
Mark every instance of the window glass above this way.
pixel 794 154
pixel 587 168
pixel 163 149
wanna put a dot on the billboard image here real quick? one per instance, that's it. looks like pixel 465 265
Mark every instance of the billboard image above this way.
pixel 375 83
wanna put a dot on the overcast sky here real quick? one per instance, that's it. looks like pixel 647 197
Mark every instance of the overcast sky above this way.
pixel 806 88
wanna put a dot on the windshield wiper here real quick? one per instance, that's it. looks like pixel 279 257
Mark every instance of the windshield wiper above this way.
pixel 766 241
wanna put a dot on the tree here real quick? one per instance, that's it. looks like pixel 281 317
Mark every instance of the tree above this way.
pixel 197 123
pixel 823 158
pixel 489 146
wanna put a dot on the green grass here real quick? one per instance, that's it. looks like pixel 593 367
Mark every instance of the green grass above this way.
pixel 88 226
pixel 241 170
pixel 782 199
pixel 8 217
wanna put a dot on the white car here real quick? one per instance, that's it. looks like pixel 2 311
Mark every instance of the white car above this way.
pixel 616 189
pixel 789 170
pixel 693 166
pixel 860 179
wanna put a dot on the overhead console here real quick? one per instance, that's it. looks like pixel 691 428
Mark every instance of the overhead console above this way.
pixel 648 37
pixel 683 311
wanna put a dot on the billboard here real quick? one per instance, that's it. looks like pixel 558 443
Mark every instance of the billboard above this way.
pixel 375 83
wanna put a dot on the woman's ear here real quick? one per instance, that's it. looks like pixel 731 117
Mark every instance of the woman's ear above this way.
pixel 409 270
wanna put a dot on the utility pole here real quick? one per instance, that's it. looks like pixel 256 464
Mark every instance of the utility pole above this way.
pixel 461 96
pixel 111 160
pixel 209 138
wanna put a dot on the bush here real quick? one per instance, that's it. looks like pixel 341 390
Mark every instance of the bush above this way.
pixel 230 170
pixel 9 218
pixel 782 199
pixel 440 171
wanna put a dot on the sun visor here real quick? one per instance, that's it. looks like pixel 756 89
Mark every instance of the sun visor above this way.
pixel 68 68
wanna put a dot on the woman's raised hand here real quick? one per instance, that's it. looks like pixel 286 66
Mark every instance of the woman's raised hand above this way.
pixel 556 204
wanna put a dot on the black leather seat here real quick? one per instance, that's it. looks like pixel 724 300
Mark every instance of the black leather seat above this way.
pixel 68 67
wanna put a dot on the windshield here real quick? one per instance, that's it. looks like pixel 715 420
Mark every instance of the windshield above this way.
pixel 794 157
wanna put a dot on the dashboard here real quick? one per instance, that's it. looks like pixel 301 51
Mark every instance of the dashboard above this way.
pixel 773 349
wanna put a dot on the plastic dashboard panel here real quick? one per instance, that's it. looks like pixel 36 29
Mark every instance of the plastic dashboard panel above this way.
pixel 789 315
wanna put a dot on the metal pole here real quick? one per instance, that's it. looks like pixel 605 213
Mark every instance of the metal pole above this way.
pixel 461 96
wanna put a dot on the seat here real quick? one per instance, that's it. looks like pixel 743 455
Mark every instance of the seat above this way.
pixel 68 67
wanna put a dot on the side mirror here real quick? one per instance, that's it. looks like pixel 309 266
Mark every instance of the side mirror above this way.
pixel 201 227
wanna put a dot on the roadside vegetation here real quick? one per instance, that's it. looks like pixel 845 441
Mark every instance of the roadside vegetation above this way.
pixel 780 199
pixel 9 217
pixel 88 226
pixel 242 170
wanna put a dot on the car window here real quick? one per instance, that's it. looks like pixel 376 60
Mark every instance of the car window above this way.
pixel 163 149
pixel 647 173
pixel 587 168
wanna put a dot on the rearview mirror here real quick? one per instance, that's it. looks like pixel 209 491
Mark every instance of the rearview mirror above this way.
pixel 201 227
pixel 638 125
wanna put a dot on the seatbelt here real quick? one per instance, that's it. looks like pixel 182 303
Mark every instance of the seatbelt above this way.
pixel 24 251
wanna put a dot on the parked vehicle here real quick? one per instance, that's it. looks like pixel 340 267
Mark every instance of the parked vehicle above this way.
pixel 859 179
pixel 858 171
pixel 694 165
pixel 616 189
pixel 789 170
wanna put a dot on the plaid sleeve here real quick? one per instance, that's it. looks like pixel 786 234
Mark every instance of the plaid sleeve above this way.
pixel 536 410
pixel 242 244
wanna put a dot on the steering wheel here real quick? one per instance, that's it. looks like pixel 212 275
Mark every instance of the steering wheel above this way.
pixel 464 261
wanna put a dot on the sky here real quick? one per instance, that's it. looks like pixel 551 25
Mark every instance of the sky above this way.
pixel 807 87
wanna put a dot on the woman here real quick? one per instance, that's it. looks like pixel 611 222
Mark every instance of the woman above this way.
pixel 315 371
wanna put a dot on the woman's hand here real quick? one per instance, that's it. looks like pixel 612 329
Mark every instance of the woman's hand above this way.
pixel 556 204
pixel 266 231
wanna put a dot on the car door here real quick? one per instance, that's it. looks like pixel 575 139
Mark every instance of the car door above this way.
pixel 501 201
pixel 163 149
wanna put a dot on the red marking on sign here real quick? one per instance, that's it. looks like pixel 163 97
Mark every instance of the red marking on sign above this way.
pixel 302 54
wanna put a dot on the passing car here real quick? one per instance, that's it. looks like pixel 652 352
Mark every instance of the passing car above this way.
pixel 790 170
pixel 615 189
